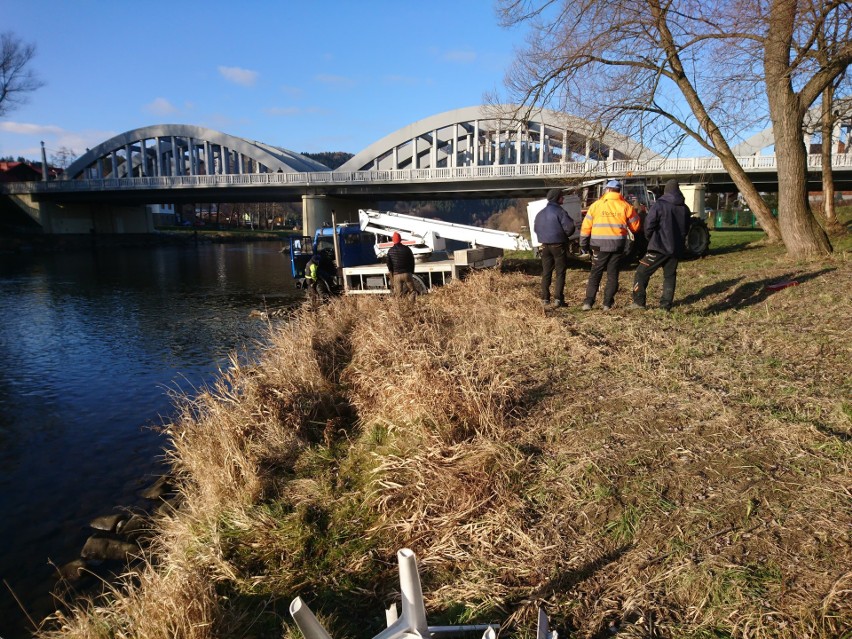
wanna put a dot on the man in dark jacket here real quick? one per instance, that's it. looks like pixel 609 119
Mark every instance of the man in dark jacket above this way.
pixel 666 226
pixel 401 267
pixel 553 227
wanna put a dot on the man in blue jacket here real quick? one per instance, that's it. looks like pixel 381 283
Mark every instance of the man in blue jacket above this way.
pixel 553 227
pixel 666 226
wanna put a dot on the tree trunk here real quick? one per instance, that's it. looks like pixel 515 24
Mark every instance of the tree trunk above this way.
pixel 800 232
pixel 829 213
pixel 752 197
pixel 721 148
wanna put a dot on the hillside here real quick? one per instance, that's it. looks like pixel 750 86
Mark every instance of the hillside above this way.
pixel 639 474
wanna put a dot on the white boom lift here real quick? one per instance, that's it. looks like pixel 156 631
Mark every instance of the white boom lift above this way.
pixel 429 235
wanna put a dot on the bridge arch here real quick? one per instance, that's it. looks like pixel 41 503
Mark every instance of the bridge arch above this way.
pixel 183 149
pixel 483 135
pixel 841 137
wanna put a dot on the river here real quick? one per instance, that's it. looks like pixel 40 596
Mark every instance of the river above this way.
pixel 91 345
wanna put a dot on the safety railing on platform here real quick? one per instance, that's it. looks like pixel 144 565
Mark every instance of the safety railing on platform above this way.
pixel 586 170
pixel 411 622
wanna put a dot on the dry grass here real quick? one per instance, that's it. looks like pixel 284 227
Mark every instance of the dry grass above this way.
pixel 645 474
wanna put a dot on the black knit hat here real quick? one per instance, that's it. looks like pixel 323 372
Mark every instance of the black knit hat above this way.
pixel 672 187
pixel 553 195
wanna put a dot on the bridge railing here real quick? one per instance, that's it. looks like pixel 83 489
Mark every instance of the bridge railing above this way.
pixel 667 166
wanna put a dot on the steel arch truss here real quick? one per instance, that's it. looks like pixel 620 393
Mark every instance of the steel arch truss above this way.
pixel 181 149
pixel 488 136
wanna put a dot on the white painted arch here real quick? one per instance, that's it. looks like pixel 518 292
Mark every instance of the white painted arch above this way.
pixel 493 135
pixel 184 149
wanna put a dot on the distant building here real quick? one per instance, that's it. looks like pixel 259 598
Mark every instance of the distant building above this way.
pixel 24 172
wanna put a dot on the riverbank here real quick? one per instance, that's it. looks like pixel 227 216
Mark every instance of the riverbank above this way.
pixel 679 474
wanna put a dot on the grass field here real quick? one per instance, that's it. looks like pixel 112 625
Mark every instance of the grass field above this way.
pixel 638 474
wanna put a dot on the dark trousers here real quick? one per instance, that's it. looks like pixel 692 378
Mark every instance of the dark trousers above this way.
pixel 603 261
pixel 648 265
pixel 553 257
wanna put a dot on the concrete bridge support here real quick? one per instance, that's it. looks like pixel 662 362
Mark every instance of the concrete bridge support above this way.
pixel 85 217
pixel 693 194
pixel 316 211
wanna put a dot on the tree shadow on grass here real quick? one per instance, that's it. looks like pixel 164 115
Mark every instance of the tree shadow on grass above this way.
pixel 568 580
pixel 707 291
pixel 739 247
pixel 751 293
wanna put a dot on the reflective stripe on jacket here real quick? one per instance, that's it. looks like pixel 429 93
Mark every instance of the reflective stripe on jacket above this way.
pixel 311 272
pixel 605 225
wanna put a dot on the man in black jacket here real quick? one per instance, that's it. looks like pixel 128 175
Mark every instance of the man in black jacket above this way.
pixel 553 228
pixel 666 226
pixel 401 267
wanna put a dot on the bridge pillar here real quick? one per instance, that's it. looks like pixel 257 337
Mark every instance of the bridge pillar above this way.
pixel 693 195
pixel 83 218
pixel 316 211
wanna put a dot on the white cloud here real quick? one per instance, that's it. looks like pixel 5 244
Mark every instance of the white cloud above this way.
pixel 23 128
pixel 283 111
pixel 402 79
pixel 54 137
pixel 160 106
pixel 293 92
pixel 243 77
pixel 338 81
pixel 465 56
pixel 83 140
pixel 288 111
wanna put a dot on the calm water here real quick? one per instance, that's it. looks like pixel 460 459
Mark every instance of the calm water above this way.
pixel 90 346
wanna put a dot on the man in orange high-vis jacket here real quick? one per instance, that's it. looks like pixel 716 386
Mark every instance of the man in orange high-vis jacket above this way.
pixel 604 230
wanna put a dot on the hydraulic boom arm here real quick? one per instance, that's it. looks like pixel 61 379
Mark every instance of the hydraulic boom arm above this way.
pixel 428 231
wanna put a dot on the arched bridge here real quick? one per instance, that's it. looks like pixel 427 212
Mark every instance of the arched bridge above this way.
pixel 173 150
pixel 470 152
pixel 472 136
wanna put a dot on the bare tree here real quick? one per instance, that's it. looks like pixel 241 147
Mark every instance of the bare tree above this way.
pixel 16 79
pixel 63 157
pixel 670 70
pixel 833 33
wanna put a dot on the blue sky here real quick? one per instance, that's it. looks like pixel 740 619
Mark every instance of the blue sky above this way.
pixel 310 75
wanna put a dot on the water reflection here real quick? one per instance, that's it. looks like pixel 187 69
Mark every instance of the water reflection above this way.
pixel 90 344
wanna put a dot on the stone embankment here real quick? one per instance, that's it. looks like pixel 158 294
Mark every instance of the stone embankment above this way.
pixel 117 540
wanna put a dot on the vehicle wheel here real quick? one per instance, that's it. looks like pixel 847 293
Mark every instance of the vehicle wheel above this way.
pixel 324 290
pixel 697 238
pixel 419 285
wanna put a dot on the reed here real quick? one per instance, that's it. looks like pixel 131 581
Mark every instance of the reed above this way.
pixel 679 474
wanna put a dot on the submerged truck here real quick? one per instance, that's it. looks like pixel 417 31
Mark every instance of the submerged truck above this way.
pixel 635 191
pixel 351 255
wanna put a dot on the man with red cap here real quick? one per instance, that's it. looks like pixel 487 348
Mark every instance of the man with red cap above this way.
pixel 401 267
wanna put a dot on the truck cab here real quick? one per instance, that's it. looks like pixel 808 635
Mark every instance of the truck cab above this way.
pixel 356 248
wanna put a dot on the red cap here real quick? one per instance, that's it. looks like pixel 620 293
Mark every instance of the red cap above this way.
pixel 396 237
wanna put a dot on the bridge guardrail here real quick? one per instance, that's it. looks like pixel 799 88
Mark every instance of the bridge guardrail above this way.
pixel 699 165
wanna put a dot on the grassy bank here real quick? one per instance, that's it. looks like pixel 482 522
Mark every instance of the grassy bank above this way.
pixel 640 473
